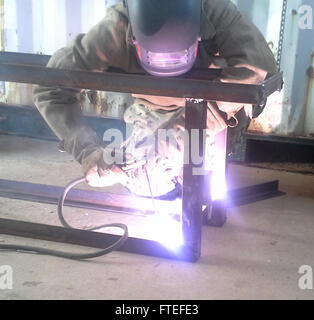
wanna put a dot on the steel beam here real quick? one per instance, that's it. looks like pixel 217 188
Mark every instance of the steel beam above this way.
pixel 143 84
pixel 93 239
pixel 102 201
pixel 28 59
pixel 251 194
pixel 193 173
pixel 24 58
pixel 94 200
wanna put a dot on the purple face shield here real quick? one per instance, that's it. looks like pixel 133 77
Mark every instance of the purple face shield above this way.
pixel 166 34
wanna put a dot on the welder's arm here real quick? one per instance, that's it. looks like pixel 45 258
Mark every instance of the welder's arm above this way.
pixel 239 41
pixel 241 45
pixel 100 48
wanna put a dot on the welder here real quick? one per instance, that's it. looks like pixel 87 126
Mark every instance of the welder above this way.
pixel 165 39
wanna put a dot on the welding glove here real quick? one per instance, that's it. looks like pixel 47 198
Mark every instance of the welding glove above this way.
pixel 98 174
pixel 215 119
pixel 243 74
pixel 88 150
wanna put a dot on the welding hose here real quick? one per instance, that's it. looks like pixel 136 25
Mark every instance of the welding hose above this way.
pixel 74 256
pixel 113 247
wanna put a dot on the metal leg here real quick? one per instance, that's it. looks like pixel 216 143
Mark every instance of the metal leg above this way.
pixel 216 214
pixel 192 219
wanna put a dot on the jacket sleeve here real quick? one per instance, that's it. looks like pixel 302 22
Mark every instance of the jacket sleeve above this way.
pixel 102 47
pixel 237 39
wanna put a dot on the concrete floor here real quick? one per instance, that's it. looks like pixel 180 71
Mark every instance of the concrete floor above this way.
pixel 257 254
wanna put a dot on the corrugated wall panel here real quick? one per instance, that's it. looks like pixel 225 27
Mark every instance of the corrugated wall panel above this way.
pixel 44 26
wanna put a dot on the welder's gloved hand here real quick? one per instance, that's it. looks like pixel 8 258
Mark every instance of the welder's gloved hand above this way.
pixel 98 174
pixel 98 178
pixel 243 74
pixel 215 120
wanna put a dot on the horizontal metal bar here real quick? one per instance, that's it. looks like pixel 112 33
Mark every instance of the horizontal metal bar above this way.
pixel 255 193
pixel 24 58
pixel 42 61
pixel 92 239
pixel 133 83
pixel 272 84
pixel 93 200
pixel 102 201
pixel 298 140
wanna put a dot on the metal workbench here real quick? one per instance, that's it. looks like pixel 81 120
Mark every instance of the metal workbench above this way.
pixel 198 87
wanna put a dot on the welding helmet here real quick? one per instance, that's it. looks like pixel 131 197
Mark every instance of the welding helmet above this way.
pixel 165 34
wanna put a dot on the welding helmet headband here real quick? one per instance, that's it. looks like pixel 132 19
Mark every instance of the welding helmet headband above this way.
pixel 166 34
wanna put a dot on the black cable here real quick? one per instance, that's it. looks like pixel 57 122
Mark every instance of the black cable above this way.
pixel 78 256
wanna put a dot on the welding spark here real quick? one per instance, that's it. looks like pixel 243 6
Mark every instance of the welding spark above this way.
pixel 167 231
pixel 166 226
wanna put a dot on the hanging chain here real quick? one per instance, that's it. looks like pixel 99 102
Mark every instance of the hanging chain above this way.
pixel 282 31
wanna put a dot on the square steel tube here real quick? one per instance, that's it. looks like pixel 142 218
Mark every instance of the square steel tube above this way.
pixel 198 84
pixel 193 174
pixel 92 239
